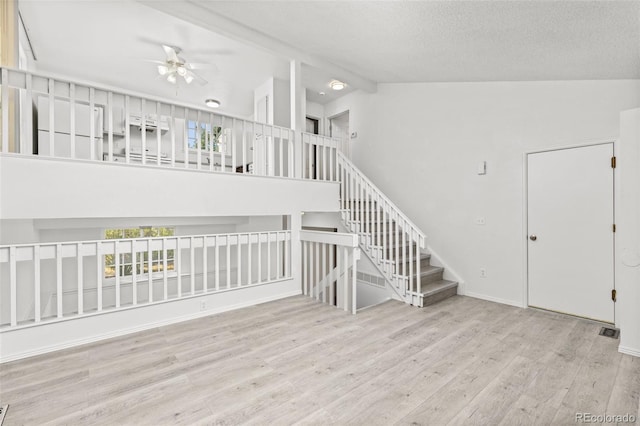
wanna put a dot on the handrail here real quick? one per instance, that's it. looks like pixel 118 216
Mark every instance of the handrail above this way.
pixel 81 120
pixel 131 272
pixel 362 176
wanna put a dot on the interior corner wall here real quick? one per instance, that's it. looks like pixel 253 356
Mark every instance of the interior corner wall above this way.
pixel 265 89
pixel 421 144
pixel 281 103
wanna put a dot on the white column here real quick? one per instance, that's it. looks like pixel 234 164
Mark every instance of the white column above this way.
pixel 298 106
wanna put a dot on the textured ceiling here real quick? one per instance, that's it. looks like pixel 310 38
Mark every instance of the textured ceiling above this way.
pixel 410 41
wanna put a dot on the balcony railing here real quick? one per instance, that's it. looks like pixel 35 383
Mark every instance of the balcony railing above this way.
pixel 52 117
pixel 48 282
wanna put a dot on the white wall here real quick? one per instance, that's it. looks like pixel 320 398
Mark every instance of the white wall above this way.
pixel 42 188
pixel 628 233
pixel 420 143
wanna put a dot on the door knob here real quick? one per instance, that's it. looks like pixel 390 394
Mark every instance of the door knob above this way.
pixel 533 237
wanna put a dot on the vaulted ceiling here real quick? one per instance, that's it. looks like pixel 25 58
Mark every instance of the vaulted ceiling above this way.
pixel 360 42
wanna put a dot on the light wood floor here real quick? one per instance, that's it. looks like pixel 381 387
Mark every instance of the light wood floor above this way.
pixel 462 361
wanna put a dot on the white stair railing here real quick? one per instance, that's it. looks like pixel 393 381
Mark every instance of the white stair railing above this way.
pixel 319 157
pixel 48 282
pixel 390 239
pixel 329 268
pixel 85 121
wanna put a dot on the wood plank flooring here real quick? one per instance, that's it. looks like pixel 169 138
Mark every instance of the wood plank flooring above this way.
pixel 461 361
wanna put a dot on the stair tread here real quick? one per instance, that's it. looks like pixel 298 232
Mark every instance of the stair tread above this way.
pixel 437 286
pixel 426 271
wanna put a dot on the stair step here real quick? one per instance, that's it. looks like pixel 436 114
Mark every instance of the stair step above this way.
pixel 438 291
pixel 428 275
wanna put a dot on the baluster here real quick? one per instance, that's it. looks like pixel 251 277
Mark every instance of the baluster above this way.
pixel 110 126
pixel 36 282
pixel 172 125
pixel 198 142
pixel 212 141
pixel 192 265
pixel 287 255
pixel 305 266
pixel 418 280
pixel 99 274
pixel 72 119
pixel 259 258
pixel 92 124
pixel 165 278
pixel 149 271
pixel 411 262
pixel 79 282
pixel 345 280
pixel 234 141
pixel 312 249
pixel 178 260
pixel 28 119
pixel 116 262
pixel 134 273
pixel 278 261
pixel 354 278
pixel 143 131
pixel 185 139
pixel 223 152
pixel 159 137
pixel 205 272
pixel 268 256
pixel 324 272
pixel 217 263
pixel 249 264
pixel 127 130
pixel 13 282
pixel 228 262
pixel 404 252
pixel 52 123
pixel 5 112
pixel 238 261
pixel 332 266
pixel 317 269
pixel 244 147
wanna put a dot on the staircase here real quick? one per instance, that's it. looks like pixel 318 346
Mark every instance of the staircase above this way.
pixel 393 243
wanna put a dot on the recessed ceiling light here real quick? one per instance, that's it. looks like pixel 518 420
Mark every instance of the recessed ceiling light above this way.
pixel 321 93
pixel 212 103
pixel 337 85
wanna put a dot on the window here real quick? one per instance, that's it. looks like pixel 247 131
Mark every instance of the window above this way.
pixel 143 265
pixel 201 136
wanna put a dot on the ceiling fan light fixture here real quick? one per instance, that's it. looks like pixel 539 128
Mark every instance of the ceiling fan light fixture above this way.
pixel 182 71
pixel 212 103
pixel 162 69
pixel 171 78
pixel 337 85
pixel 188 78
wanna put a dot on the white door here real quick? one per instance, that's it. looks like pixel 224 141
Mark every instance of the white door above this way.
pixel 570 231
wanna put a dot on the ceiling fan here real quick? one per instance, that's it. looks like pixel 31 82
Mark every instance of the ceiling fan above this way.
pixel 175 67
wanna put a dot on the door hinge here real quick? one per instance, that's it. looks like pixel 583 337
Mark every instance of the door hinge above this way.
pixel 613 162
pixel 613 295
pixel 614 227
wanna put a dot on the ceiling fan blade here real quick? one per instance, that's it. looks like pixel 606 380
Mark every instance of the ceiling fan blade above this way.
pixel 171 53
pixel 201 66
pixel 201 81
pixel 153 61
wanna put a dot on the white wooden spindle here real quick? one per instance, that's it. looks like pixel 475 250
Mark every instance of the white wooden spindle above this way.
pixel 178 265
pixel 5 111
pixel 116 262
pixel 223 152
pixel 99 273
pixel 249 264
pixel 143 131
pixel 158 136
pixel 324 161
pixel 36 284
pixel 345 279
pixel 411 288
pixel 92 124
pixel 27 143
pixel 325 296
pixel 165 273
pixel 149 271
pixel 287 254
pixel 278 261
pixel 238 261
pixel 244 147
pixel 127 130
pixel 318 271
pixel 80 280
pixel 198 142
pixel 354 278
pixel 134 273
pixel 312 275
pixel 234 158
pixel 110 126
pixel 281 154
pixel 268 256
pixel 228 259
pixel 185 139
pixel 72 119
pixel 13 283
pixel 418 281
pixel 259 258
pixel 59 280
pixel 217 263
pixel 172 130
pixel 205 286
pixel 52 124
pixel 211 142
pixel 305 267
pixel 192 267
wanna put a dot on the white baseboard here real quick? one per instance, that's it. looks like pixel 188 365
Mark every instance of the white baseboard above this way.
pixel 143 327
pixel 492 299
pixel 629 351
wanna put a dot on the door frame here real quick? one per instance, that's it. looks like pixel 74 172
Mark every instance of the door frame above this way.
pixel 525 211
